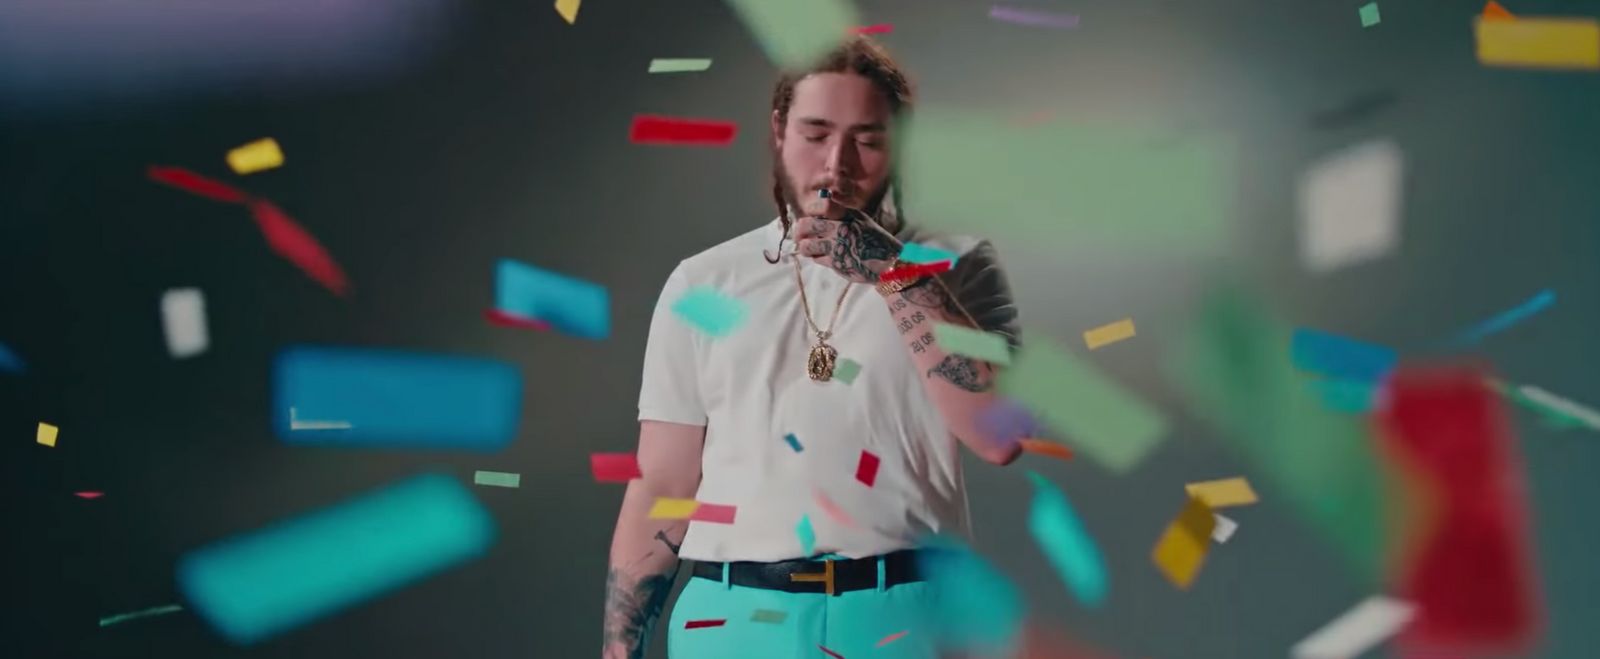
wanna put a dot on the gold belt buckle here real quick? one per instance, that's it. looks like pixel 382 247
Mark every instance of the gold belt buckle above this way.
pixel 826 577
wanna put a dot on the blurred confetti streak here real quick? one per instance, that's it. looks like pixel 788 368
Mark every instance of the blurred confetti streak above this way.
pixel 292 242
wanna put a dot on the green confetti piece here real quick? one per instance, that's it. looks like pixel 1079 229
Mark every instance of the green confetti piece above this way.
pixel 711 311
pixel 1234 372
pixel 1097 186
pixel 972 343
pixel 660 65
pixel 1061 535
pixel 1369 14
pixel 1090 411
pixel 155 611
pixel 769 616
pixel 846 371
pixel 796 34
pixel 496 479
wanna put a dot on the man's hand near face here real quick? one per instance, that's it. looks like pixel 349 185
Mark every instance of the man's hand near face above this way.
pixel 844 240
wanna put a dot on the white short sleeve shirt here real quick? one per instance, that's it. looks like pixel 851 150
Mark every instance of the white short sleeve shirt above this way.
pixel 750 389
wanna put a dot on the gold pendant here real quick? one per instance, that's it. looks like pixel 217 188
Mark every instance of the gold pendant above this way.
pixel 820 364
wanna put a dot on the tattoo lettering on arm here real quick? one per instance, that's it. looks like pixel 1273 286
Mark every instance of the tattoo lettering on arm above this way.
pixel 632 609
pixel 961 372
pixel 920 343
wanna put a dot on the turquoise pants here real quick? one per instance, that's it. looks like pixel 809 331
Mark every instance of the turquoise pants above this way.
pixel 850 624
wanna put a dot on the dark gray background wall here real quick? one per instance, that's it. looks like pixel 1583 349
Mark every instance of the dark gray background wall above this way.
pixel 510 140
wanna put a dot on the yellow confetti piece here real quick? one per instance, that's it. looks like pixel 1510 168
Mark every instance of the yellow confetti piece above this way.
pixel 1540 43
pixel 568 10
pixel 260 155
pixel 1224 493
pixel 1183 546
pixel 666 508
pixel 1108 334
pixel 47 434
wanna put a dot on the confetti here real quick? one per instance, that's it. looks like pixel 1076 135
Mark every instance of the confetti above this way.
pixel 846 371
pixel 892 638
pixel 702 624
pixel 795 34
pixel 710 311
pixel 614 467
pixel 1335 356
pixel 669 508
pixel 1183 546
pixel 1061 536
pixel 1043 447
pixel 395 399
pixel 1581 413
pixel 1346 396
pixel 1031 17
pixel 1359 108
pixel 1369 14
pixel 1539 43
pixel 183 319
pixel 976 344
pixel 713 512
pixel 768 616
pixel 568 10
pixel 89 495
pixel 1093 413
pixel 1006 421
pixel 652 129
pixel 47 434
pixel 867 469
pixel 1349 206
pixel 573 306
pixel 831 653
pixel 1493 10
pixel 1224 529
pixel 881 28
pixel 296 423
pixel 257 585
pixel 975 607
pixel 794 443
pixel 925 254
pixel 1499 323
pixel 660 65
pixel 1352 634
pixel 496 479
pixel 292 242
pixel 503 319
pixel 1224 493
pixel 807 536
pixel 146 613
pixel 10 362
pixel 833 510
pixel 914 271
pixel 196 184
pixel 1109 333
pixel 260 155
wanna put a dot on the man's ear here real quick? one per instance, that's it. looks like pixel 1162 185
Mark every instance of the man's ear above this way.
pixel 777 131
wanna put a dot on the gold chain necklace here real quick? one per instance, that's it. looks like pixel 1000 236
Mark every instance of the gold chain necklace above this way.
pixel 820 362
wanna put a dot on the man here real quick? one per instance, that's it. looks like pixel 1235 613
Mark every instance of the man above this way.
pixel 763 419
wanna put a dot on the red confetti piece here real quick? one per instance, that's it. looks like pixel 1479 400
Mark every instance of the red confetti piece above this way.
pixel 504 319
pixel 294 243
pixel 831 653
pixel 713 512
pixel 652 129
pixel 1471 576
pixel 614 467
pixel 701 624
pixel 196 184
pixel 89 495
pixel 891 638
pixel 881 28
pixel 1045 447
pixel 914 271
pixel 867 468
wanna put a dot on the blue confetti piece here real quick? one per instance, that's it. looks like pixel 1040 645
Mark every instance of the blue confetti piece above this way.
pixel 366 398
pixel 1335 356
pixel 572 306
pixel 793 442
pixel 10 362
pixel 915 253
pixel 257 585
pixel 710 311
pixel 976 607
pixel 1499 323
pixel 807 535
pixel 1062 537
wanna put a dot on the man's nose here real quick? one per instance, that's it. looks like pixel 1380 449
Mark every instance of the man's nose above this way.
pixel 842 159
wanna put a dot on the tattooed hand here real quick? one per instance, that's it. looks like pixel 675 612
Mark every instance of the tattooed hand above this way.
pixel 853 246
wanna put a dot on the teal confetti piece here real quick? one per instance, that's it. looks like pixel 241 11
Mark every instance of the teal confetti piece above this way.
pixel 1347 396
pixel 976 344
pixel 916 253
pixel 1088 410
pixel 1061 535
pixel 571 305
pixel 794 442
pixel 807 535
pixel 124 617
pixel 710 311
pixel 1369 14
pixel 796 34
pixel 975 606
pixel 1500 322
pixel 497 479
pixel 9 361
pixel 679 65
pixel 846 371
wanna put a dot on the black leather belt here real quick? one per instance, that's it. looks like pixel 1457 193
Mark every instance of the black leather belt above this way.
pixel 817 576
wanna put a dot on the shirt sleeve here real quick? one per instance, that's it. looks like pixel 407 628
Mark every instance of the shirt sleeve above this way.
pixel 980 285
pixel 670 390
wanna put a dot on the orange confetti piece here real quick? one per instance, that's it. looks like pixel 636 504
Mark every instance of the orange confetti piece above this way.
pixel 1494 10
pixel 1045 447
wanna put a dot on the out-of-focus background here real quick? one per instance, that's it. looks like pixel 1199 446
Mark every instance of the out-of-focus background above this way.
pixel 427 139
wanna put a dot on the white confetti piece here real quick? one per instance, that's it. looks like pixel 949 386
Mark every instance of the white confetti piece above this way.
pixel 1224 529
pixel 1349 205
pixel 1360 628
pixel 183 315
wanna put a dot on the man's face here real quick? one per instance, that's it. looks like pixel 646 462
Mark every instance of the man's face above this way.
pixel 837 137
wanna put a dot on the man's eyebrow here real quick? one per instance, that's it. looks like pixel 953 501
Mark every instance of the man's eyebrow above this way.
pixel 871 127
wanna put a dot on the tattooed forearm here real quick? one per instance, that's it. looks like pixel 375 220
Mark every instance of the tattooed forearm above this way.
pixel 963 373
pixel 853 247
pixel 662 536
pixel 632 608
pixel 912 322
pixel 920 343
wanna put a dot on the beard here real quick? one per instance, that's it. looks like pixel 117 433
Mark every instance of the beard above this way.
pixel 791 194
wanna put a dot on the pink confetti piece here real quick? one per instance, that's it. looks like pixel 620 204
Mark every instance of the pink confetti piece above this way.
pixel 196 184
pixel 89 495
pixel 614 467
pixel 294 243
pixel 867 468
pixel 881 28
pixel 701 624
pixel 713 512
pixel 1030 17
pixel 891 638
pixel 833 510
pixel 503 319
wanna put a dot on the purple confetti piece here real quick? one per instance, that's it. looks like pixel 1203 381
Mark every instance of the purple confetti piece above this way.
pixel 1030 17
pixel 1007 421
